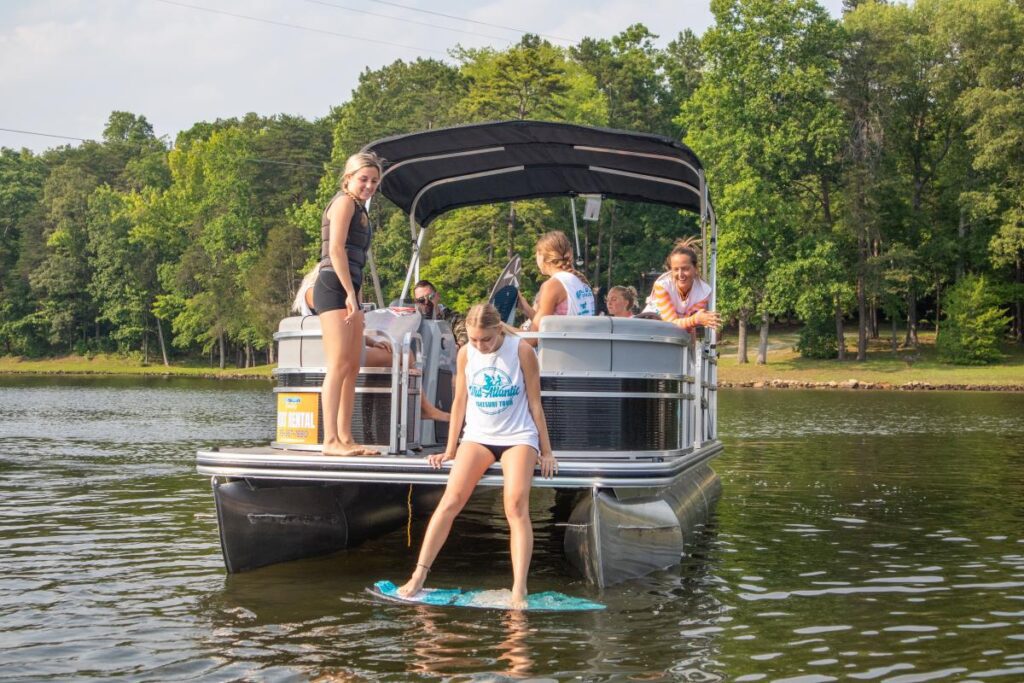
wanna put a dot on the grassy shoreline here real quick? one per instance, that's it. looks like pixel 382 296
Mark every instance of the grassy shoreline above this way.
pixel 883 369
pixel 112 364
pixel 906 369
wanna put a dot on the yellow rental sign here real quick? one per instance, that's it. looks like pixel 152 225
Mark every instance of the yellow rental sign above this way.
pixel 297 418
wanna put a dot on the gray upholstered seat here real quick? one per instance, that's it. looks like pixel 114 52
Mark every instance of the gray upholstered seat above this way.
pixel 643 348
pixel 306 351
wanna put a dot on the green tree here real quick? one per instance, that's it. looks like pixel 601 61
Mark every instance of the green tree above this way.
pixel 60 278
pixel 530 80
pixel 768 133
pixel 814 284
pixel 398 98
pixel 627 71
pixel 991 36
pixel 216 209
pixel 683 65
pixel 974 324
pixel 22 176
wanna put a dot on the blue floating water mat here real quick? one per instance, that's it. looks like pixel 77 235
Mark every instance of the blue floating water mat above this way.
pixel 549 601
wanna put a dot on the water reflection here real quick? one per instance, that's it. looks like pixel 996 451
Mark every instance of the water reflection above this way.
pixel 871 536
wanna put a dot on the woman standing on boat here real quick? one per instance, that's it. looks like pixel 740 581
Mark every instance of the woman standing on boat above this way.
pixel 497 395
pixel 566 291
pixel 680 296
pixel 345 233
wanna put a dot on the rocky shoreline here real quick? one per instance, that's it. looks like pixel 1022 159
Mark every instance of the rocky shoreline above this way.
pixel 722 384
pixel 857 384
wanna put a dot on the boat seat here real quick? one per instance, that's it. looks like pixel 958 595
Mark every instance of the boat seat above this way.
pixel 396 322
pixel 600 398
pixel 573 354
pixel 307 351
pixel 637 355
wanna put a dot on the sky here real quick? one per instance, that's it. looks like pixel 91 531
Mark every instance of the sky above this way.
pixel 66 64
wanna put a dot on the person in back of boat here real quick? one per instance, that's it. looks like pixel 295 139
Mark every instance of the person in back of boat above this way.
pixel 621 301
pixel 497 396
pixel 600 301
pixel 566 291
pixel 680 296
pixel 428 303
pixel 346 234
pixel 376 353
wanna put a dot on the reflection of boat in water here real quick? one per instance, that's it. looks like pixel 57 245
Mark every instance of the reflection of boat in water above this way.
pixel 631 404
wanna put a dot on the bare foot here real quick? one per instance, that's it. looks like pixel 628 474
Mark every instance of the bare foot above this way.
pixel 518 601
pixel 414 585
pixel 343 449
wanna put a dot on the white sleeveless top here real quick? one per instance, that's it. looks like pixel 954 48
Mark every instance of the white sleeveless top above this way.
pixel 578 295
pixel 497 410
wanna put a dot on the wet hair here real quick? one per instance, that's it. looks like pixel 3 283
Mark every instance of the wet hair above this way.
pixel 360 160
pixel 685 245
pixel 627 293
pixel 554 248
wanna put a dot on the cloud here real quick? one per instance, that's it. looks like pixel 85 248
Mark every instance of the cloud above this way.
pixel 66 64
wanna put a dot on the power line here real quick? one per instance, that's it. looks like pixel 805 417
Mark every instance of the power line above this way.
pixel 45 135
pixel 258 160
pixel 408 21
pixel 300 28
pixel 472 21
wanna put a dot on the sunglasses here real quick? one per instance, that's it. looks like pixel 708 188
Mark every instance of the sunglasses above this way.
pixel 423 300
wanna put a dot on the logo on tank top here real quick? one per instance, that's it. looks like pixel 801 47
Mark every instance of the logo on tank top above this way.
pixel 492 390
pixel 585 301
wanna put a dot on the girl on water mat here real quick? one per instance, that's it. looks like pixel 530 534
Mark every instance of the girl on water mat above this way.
pixel 497 395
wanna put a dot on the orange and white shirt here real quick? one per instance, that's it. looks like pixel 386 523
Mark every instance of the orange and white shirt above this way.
pixel 675 307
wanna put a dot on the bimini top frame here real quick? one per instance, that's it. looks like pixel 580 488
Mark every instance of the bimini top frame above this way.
pixel 432 172
pixel 429 173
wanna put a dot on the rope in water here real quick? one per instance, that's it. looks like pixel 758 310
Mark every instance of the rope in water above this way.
pixel 408 522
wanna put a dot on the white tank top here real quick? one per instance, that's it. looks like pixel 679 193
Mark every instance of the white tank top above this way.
pixel 497 410
pixel 578 296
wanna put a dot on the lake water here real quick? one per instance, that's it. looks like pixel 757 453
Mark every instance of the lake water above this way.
pixel 860 536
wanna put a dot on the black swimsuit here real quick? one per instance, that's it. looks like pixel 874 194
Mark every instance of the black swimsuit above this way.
pixel 328 292
pixel 498 451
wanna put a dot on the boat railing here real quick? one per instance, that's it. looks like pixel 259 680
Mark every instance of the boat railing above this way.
pixel 387 411
pixel 706 410
pixel 624 388
pixel 612 388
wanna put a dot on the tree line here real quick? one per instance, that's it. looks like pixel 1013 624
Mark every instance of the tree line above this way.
pixel 863 170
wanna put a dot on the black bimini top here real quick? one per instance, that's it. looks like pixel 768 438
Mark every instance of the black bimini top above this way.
pixel 439 170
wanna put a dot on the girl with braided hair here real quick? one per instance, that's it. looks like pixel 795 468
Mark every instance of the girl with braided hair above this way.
pixel 566 291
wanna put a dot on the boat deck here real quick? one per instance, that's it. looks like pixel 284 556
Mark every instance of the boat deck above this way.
pixel 574 471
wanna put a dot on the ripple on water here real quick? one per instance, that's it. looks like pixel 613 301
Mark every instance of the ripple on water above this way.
pixel 848 543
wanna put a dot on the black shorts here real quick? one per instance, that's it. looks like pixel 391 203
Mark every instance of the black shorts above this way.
pixel 328 294
pixel 498 451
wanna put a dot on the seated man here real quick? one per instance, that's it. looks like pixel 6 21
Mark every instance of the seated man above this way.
pixel 428 303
